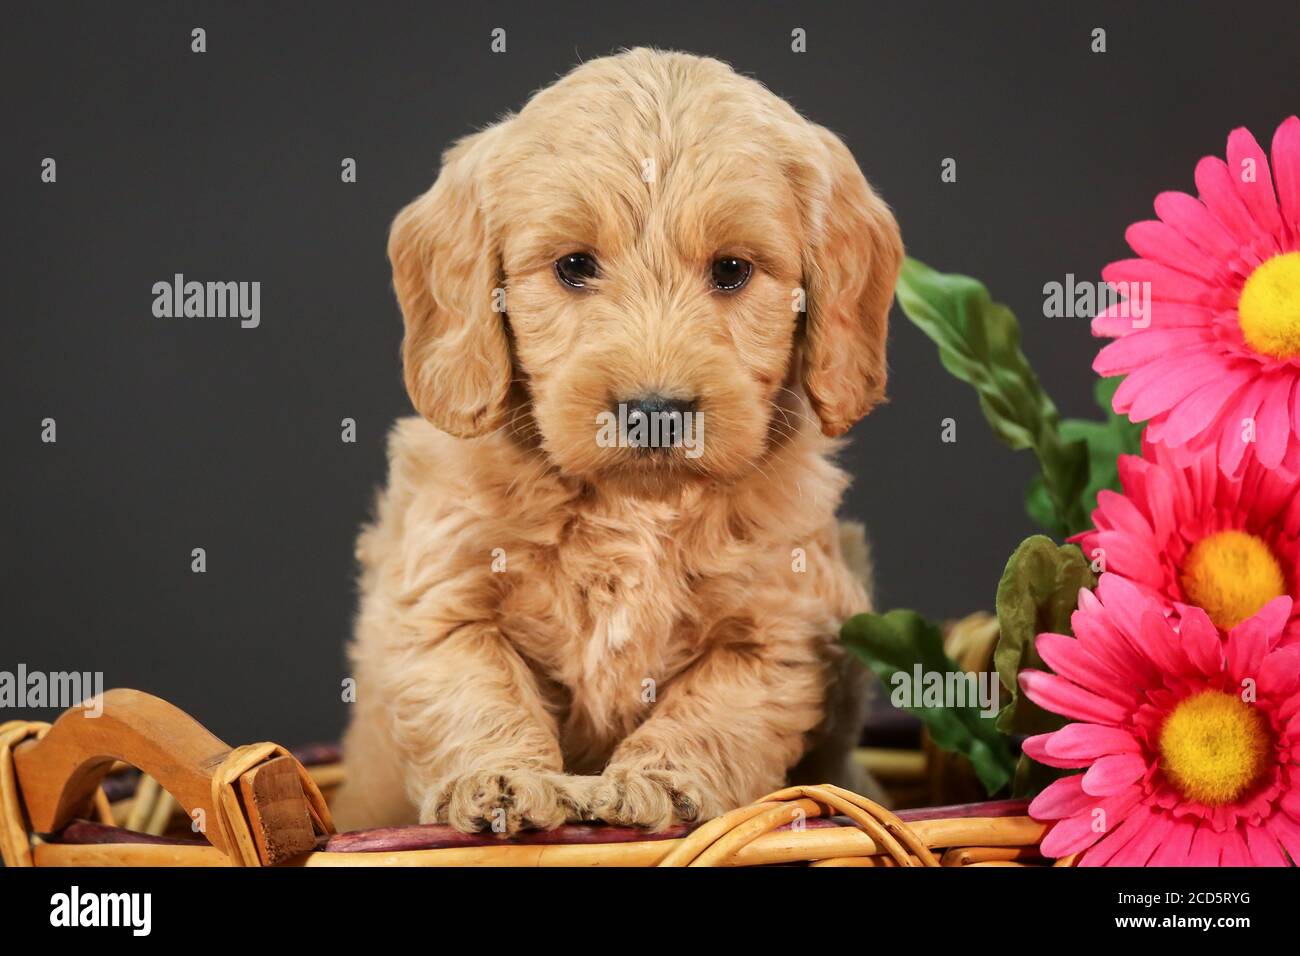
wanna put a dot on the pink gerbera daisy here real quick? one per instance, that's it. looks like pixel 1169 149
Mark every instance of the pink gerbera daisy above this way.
pixel 1216 360
pixel 1189 742
pixel 1193 535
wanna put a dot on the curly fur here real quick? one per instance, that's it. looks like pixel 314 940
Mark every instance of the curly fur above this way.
pixel 554 630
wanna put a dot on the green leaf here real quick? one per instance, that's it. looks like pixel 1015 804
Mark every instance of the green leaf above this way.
pixel 1038 592
pixel 895 644
pixel 979 343
pixel 1039 506
pixel 1106 441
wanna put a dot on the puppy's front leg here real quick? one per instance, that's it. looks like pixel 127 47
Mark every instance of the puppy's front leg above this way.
pixel 481 748
pixel 723 734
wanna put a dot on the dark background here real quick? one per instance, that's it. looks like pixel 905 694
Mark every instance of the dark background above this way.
pixel 183 433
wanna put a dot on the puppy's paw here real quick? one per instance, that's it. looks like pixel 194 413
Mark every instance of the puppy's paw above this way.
pixel 502 801
pixel 650 797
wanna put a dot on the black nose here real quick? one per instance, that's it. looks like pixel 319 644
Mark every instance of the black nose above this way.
pixel 656 421
pixel 659 405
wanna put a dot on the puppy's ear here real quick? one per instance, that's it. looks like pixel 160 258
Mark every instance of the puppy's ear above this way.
pixel 850 268
pixel 446 268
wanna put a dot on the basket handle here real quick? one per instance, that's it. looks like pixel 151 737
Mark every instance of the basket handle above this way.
pixel 256 804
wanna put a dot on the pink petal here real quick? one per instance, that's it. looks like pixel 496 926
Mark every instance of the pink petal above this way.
pixel 1267 624
pixel 1036 749
pixel 1113 774
pixel 1244 152
pixel 1190 217
pixel 1084 829
pixel 1161 242
pixel 1153 374
pixel 1273 423
pixel 1061 697
pixel 1090 741
pixel 1129 556
pixel 1099 629
pixel 1263 848
pixel 1245 649
pixel 1061 799
pixel 1286 171
pixel 1155 827
pixel 1232 443
pixel 1174 849
pixel 1165 646
pixel 1279 675
pixel 1117 320
pixel 1067 657
pixel 1295 409
pixel 1069 836
pixel 1123 355
pixel 1180 376
pixel 1218 192
pixel 1123 514
pixel 1162 487
pixel 1233 851
pixel 1287 832
pixel 1201 641
pixel 1200 409
pixel 1124 602
pixel 1205 848
pixel 1167 284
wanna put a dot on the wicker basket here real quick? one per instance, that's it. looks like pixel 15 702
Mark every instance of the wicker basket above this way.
pixel 70 795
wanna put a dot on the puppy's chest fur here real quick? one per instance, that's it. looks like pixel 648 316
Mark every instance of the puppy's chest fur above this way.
pixel 607 616
pixel 607 602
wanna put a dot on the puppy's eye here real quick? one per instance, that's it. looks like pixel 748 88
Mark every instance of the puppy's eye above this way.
pixel 576 269
pixel 730 273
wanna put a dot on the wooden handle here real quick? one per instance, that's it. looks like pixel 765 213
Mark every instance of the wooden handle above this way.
pixel 59 774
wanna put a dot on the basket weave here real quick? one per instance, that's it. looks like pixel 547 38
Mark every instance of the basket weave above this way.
pixel 271 810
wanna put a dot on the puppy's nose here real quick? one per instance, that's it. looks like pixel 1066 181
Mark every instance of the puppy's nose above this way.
pixel 656 421
pixel 659 405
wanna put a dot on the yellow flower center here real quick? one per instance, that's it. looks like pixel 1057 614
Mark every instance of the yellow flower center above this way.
pixel 1231 574
pixel 1269 307
pixel 1214 747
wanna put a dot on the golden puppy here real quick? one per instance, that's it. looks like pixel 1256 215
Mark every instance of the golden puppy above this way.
pixel 561 619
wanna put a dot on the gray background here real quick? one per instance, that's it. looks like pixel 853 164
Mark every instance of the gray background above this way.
pixel 183 433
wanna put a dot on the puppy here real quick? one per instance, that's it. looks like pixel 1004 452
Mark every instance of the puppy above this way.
pixel 560 621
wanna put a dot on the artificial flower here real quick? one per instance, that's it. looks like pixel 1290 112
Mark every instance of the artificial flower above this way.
pixel 1188 742
pixel 1214 360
